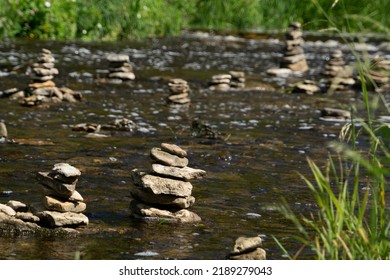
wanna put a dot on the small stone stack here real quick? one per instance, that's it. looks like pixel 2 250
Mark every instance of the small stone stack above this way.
pixel 237 80
pixel 294 56
pixel 306 86
pixel 120 67
pixel 43 71
pixel 220 82
pixel 378 73
pixel 62 202
pixel 164 193
pixel 178 91
pixel 340 77
pixel 248 248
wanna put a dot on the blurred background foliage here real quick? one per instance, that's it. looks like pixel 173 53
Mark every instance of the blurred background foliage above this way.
pixel 126 19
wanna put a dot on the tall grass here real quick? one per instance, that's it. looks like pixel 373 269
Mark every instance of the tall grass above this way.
pixel 353 217
pixel 122 19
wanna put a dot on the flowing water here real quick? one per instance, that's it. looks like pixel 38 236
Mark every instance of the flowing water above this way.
pixel 268 135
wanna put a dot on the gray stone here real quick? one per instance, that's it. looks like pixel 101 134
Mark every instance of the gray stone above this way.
pixel 280 72
pixel 184 173
pixel 17 205
pixel 58 219
pixel 118 58
pixel 76 196
pixel 161 199
pixel 66 169
pixel 149 213
pixel 55 204
pixel 45 71
pixel 173 149
pixel 27 217
pixel 3 130
pixel 245 244
pixel 167 158
pixel 159 185
pixel 62 189
pixel 258 254
pixel 7 210
pixel 12 224
pixel 122 75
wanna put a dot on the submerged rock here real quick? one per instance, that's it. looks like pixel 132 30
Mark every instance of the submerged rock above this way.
pixel 248 248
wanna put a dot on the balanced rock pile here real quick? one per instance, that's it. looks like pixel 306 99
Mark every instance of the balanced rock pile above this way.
pixel 306 86
pixel 234 79
pixel 237 80
pixel 340 77
pixel 120 68
pixel 378 74
pixel 42 89
pixel 62 202
pixel 294 56
pixel 248 248
pixel 178 91
pixel 165 193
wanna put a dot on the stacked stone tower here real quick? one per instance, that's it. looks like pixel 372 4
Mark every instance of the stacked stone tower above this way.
pixel 165 193
pixel 62 202
pixel 378 73
pixel 120 67
pixel 340 77
pixel 294 56
pixel 178 91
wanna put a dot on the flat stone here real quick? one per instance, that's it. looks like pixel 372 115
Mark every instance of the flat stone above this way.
pixel 332 112
pixel 66 169
pixel 58 219
pixel 12 224
pixel 258 254
pixel 306 88
pixel 300 66
pixel 55 204
pixel 122 75
pixel 184 173
pixel 280 72
pixel 149 213
pixel 236 74
pixel 173 149
pixel 45 72
pixel 7 210
pixel 41 78
pixel 245 244
pixel 43 65
pixel 118 58
pixel 76 196
pixel 293 34
pixel 27 217
pixel 62 189
pixel 177 81
pixel 220 87
pixel 17 205
pixel 162 199
pixel 221 77
pixel 42 85
pixel 179 99
pixel 219 81
pixel 159 185
pixel 167 158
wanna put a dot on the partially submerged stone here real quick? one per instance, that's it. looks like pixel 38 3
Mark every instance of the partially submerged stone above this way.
pixel 147 212
pixel 58 219
pixel 257 254
pixel 335 115
pixel 245 244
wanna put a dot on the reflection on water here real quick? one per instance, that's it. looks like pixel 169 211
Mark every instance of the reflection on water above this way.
pixel 269 135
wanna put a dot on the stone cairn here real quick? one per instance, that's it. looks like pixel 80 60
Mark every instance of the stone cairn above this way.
pixel 247 248
pixel 234 79
pixel 378 75
pixel 62 202
pixel 308 87
pixel 340 77
pixel 120 68
pixel 178 91
pixel 42 88
pixel 164 193
pixel 294 56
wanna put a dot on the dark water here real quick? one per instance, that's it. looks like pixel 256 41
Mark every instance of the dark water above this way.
pixel 269 135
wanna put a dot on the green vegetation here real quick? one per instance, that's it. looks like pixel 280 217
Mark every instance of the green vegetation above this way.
pixel 352 221
pixel 124 19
